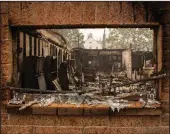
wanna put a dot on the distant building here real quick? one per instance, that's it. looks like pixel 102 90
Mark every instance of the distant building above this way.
pixel 91 43
pixel 101 61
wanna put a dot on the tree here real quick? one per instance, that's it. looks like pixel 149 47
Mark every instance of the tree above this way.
pixel 141 39
pixel 73 37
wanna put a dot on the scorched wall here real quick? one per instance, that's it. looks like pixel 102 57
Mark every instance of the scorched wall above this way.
pixel 80 14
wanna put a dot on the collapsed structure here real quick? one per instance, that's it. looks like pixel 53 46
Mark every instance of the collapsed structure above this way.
pixel 114 77
pixel 39 65
pixel 65 118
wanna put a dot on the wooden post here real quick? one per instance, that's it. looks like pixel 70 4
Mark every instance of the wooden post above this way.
pixel 35 46
pixel 24 44
pixel 30 43
pixel 38 47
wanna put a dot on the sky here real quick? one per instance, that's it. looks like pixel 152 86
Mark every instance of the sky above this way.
pixel 97 33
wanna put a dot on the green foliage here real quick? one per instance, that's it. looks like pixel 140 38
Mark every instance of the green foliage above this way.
pixel 141 39
pixel 73 37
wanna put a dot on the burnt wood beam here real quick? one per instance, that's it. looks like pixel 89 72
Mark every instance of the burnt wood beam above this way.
pixel 30 43
pixel 38 47
pixel 35 46
pixel 143 80
pixel 30 90
pixel 24 45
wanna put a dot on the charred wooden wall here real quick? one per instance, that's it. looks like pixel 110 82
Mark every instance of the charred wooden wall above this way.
pixel 99 60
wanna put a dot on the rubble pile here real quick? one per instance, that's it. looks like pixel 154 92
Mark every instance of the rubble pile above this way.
pixel 107 91
pixel 75 99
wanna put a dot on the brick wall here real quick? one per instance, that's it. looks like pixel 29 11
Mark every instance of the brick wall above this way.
pixel 164 19
pixel 80 14
pixel 76 13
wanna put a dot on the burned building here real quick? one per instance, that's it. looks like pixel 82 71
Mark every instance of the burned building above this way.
pixel 40 54
pixel 98 61
pixel 138 64
pixel 96 115
pixel 104 62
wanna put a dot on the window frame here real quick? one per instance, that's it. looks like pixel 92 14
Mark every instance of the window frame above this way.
pixel 157 42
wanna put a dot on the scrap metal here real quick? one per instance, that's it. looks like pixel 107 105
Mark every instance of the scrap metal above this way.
pixel 93 94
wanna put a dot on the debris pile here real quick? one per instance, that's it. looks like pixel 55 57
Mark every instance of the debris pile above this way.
pixel 116 103
pixel 115 92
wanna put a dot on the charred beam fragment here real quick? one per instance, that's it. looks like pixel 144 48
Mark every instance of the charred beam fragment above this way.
pixel 38 47
pixel 143 80
pixel 35 46
pixel 24 45
pixel 30 45
pixel 30 90
pixel 134 17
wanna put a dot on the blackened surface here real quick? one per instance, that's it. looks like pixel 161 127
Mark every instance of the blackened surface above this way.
pixel 63 79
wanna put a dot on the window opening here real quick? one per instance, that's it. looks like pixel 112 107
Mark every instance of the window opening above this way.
pixel 111 66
